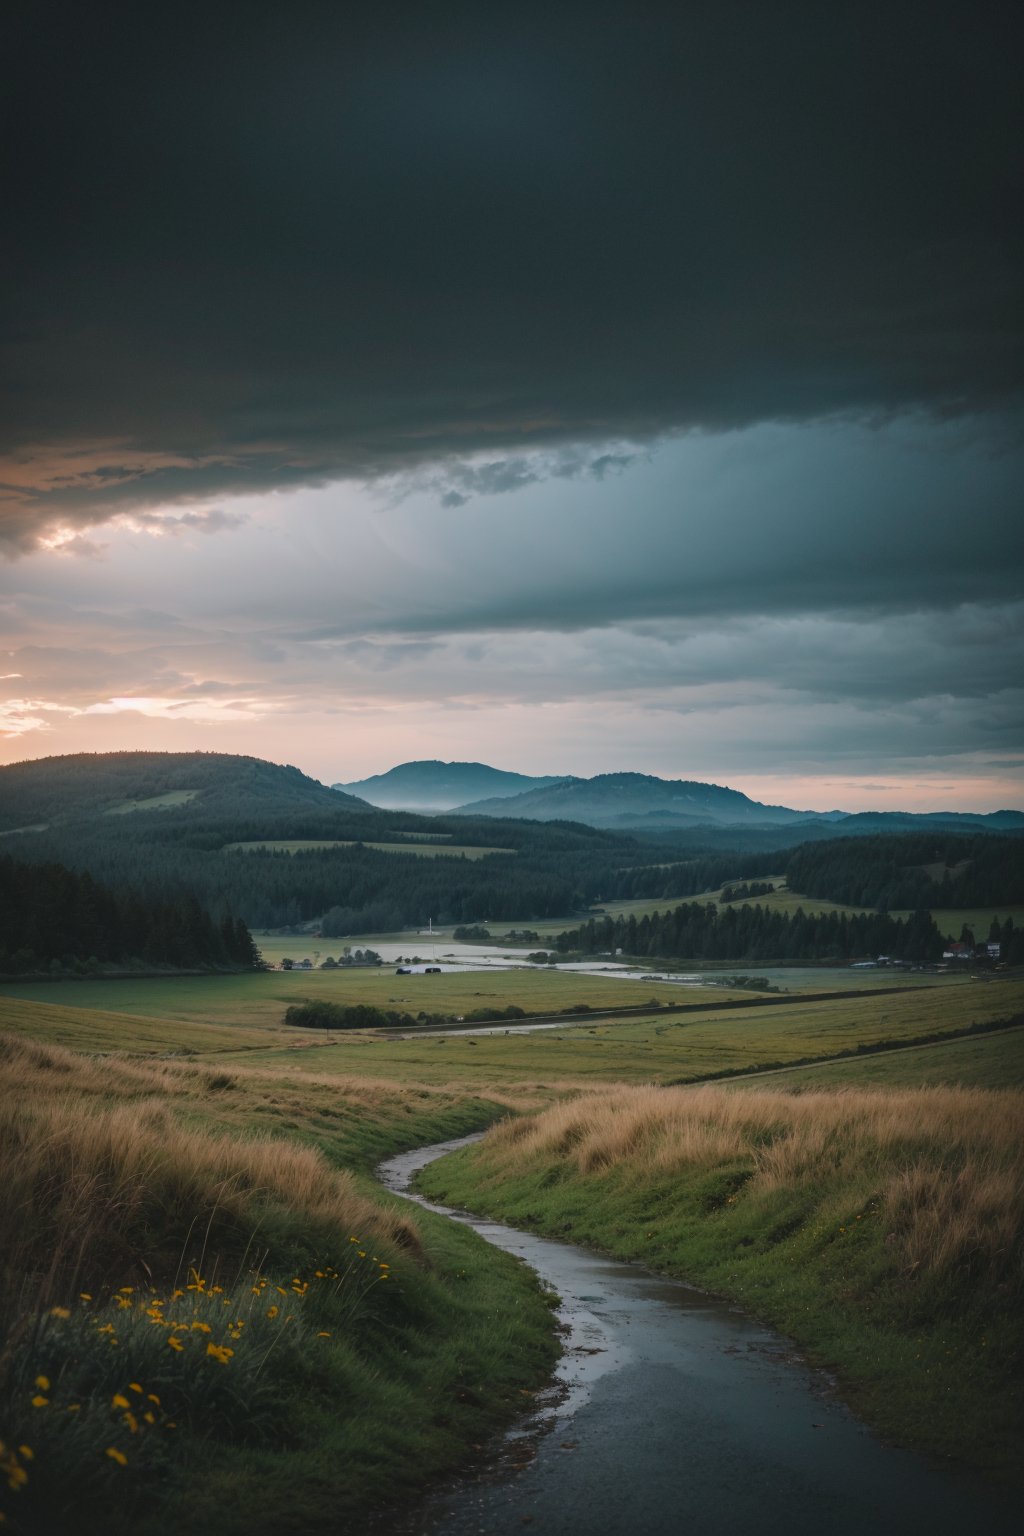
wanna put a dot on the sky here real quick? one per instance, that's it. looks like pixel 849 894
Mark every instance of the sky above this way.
pixel 574 389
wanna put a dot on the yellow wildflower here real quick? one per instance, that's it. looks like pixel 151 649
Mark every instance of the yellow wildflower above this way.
pixel 60 1312
pixel 39 1401
pixel 133 1386
pixel 117 1401
pixel 220 1352
pixel 153 1398
pixel 116 1455
pixel 43 1383
pixel 272 1311
pixel 84 1296
pixel 323 1335
pixel 175 1343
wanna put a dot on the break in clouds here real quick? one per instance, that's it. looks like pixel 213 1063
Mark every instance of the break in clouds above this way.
pixel 726 611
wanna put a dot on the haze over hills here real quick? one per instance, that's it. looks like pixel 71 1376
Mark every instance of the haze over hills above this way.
pixel 636 802
pixel 430 785
pixel 641 799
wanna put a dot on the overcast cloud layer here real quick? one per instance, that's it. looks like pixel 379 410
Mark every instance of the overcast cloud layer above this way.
pixel 574 388
pixel 257 247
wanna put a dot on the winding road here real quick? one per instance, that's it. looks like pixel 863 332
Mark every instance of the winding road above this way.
pixel 673 1414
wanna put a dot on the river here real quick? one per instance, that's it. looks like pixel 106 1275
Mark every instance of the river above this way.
pixel 674 1414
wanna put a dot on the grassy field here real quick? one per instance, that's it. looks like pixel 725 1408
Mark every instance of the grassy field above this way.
pixel 261 998
pixel 188 1108
pixel 212 1319
pixel 234 1015
pixel 422 850
pixel 683 1047
pixel 168 802
pixel 981 1061
pixel 884 1231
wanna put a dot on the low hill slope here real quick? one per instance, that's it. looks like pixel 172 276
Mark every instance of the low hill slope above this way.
pixel 57 791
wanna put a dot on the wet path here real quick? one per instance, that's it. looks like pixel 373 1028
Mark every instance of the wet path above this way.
pixel 675 1415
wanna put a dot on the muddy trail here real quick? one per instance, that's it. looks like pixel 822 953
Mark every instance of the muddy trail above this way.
pixel 674 1414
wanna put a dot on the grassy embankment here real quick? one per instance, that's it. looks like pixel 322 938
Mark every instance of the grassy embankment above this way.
pixel 211 1318
pixel 882 1230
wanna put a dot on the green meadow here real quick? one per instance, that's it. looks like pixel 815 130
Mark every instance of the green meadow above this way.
pixel 154 1128
pixel 261 998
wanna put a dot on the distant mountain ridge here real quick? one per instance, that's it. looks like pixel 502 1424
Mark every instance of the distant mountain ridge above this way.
pixel 431 785
pixel 623 800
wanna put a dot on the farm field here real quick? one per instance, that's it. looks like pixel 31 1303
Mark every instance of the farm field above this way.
pixel 670 1048
pixel 981 1061
pixel 261 998
pixel 421 849
pixel 102 1031
pixel 228 1015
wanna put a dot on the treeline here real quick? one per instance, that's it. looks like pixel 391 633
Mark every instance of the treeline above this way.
pixel 57 920
pixel 691 876
pixel 912 870
pixel 702 931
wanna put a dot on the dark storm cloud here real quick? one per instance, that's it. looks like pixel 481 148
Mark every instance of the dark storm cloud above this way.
pixel 257 247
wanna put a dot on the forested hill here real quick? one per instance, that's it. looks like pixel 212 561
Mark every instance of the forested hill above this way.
pixel 924 869
pixel 173 823
pixel 57 791
pixel 277 849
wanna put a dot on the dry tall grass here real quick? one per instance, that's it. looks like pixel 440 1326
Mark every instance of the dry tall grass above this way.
pixel 945 1165
pixel 97 1192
